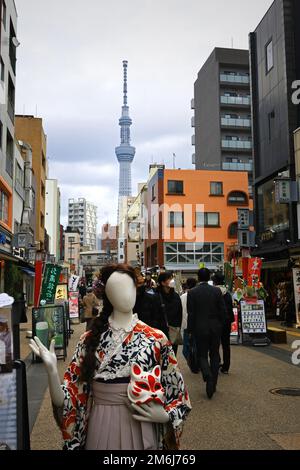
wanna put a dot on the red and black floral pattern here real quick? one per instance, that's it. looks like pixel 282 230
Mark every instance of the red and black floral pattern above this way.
pixel 144 346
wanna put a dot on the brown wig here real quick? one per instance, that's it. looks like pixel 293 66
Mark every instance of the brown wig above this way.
pixel 100 324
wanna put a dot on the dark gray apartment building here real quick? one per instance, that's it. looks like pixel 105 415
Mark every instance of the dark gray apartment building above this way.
pixel 222 113
pixel 275 66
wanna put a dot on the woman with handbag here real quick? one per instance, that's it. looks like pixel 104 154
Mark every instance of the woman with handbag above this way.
pixel 171 308
pixel 90 307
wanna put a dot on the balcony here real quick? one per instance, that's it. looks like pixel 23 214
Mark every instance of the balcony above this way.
pixel 237 144
pixel 193 121
pixel 192 103
pixel 235 78
pixel 193 139
pixel 237 100
pixel 236 122
pixel 234 166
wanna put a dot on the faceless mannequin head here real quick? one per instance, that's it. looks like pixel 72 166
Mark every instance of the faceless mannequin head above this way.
pixel 121 291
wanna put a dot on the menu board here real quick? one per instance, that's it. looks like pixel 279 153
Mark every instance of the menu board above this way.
pixel 8 411
pixel 49 323
pixel 253 317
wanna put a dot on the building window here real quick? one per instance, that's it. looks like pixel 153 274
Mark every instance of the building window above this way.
pixel 71 239
pixel 207 219
pixel 4 14
pixel 43 161
pixel 271 117
pixel 42 190
pixel 12 47
pixel 3 207
pixel 175 187
pixel 11 99
pixel 42 221
pixel 216 189
pixel 233 230
pixel 236 198
pixel 9 154
pixel 153 192
pixel 176 219
pixel 2 71
pixel 269 56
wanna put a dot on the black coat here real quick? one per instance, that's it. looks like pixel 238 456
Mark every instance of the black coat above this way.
pixel 171 306
pixel 229 308
pixel 206 310
pixel 149 311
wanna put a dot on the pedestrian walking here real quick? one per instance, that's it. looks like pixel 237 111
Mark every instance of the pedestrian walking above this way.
pixel 206 316
pixel 171 307
pixel 90 307
pixel 190 284
pixel 148 307
pixel 219 282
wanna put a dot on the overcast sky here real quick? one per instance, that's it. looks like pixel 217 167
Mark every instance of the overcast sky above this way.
pixel 70 73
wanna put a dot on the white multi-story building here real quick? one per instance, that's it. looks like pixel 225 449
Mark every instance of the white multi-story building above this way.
pixel 52 219
pixel 82 215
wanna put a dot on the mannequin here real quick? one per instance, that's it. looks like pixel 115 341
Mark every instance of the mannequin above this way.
pixel 102 363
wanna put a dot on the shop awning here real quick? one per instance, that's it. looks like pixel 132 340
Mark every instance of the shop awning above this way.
pixel 276 264
pixel 27 271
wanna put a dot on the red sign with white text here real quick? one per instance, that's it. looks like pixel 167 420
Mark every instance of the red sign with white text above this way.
pixel 254 271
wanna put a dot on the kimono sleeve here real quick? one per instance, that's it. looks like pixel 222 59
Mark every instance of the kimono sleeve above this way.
pixel 177 402
pixel 72 417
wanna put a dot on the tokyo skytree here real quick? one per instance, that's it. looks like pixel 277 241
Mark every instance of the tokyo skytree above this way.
pixel 125 152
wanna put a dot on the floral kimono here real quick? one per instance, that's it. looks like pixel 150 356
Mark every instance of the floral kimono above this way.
pixel 118 349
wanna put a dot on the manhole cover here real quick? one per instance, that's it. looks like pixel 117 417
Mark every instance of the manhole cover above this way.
pixel 288 392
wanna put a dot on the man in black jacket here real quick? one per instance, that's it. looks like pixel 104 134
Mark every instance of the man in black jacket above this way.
pixel 206 316
pixel 170 303
pixel 219 282
pixel 148 309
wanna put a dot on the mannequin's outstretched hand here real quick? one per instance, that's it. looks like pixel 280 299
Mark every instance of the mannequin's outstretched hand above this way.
pixel 48 356
pixel 150 413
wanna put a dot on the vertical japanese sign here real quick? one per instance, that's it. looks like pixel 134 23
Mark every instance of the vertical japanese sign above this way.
pixel 73 305
pixel 50 281
pixel 61 293
pixel 254 271
pixel 296 277
pixel 73 283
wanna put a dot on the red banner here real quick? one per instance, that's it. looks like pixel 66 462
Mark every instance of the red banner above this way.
pixel 254 271
pixel 38 282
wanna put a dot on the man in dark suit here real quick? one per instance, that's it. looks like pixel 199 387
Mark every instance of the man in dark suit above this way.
pixel 206 317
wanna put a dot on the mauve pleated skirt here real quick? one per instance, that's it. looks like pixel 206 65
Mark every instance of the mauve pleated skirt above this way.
pixel 111 425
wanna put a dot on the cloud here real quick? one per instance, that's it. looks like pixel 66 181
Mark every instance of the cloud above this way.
pixel 69 72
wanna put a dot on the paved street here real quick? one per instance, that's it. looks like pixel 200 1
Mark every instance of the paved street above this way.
pixel 243 414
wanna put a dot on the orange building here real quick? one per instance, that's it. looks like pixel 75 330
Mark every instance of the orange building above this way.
pixel 30 130
pixel 192 217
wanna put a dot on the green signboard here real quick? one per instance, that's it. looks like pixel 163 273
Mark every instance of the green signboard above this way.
pixel 49 323
pixel 50 281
